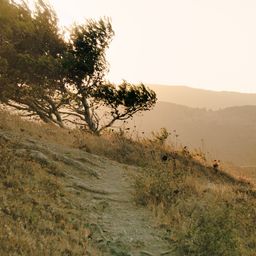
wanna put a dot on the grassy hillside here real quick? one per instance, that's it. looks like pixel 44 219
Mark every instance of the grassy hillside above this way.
pixel 63 192
pixel 199 98
pixel 228 134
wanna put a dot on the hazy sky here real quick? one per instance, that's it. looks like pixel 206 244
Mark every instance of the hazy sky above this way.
pixel 207 44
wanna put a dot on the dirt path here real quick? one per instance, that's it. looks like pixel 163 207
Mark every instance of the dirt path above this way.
pixel 120 227
pixel 104 188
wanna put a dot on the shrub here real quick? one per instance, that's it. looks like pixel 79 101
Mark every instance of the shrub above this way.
pixel 211 232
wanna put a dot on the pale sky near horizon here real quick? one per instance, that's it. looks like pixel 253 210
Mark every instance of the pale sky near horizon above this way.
pixel 209 44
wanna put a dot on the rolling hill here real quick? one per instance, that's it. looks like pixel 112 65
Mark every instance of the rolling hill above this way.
pixel 198 98
pixel 228 134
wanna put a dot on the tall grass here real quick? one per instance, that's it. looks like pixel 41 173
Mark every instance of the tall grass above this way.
pixel 36 213
pixel 205 211
pixel 205 214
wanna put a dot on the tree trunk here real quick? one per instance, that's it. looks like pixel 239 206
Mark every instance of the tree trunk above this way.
pixel 88 117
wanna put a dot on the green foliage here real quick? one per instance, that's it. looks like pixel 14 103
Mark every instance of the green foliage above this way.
pixel 85 60
pixel 124 100
pixel 90 95
pixel 30 43
pixel 44 75
pixel 211 232
pixel 31 50
pixel 127 95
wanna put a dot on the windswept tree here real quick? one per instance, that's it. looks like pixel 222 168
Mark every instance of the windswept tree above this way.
pixel 95 103
pixel 31 50
pixel 61 81
pixel 121 102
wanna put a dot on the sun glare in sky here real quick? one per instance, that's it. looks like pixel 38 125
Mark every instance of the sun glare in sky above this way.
pixel 208 44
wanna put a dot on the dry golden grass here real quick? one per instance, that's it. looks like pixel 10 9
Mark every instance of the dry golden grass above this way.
pixel 205 212
pixel 114 145
pixel 37 216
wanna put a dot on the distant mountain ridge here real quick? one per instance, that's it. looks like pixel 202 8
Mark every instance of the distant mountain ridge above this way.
pixel 200 98
pixel 228 134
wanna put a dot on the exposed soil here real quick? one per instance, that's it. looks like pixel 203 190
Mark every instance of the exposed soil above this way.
pixel 104 189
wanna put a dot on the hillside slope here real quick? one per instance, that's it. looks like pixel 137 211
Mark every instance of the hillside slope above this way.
pixel 96 194
pixel 199 98
pixel 61 195
pixel 228 134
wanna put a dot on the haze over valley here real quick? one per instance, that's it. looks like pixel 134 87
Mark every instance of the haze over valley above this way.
pixel 221 124
pixel 202 98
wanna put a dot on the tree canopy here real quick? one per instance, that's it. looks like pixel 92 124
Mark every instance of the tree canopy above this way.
pixel 62 80
pixel 31 49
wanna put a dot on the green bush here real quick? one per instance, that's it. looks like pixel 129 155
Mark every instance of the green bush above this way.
pixel 211 232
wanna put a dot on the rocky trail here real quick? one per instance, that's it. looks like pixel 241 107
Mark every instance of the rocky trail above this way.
pixel 104 188
pixel 121 227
